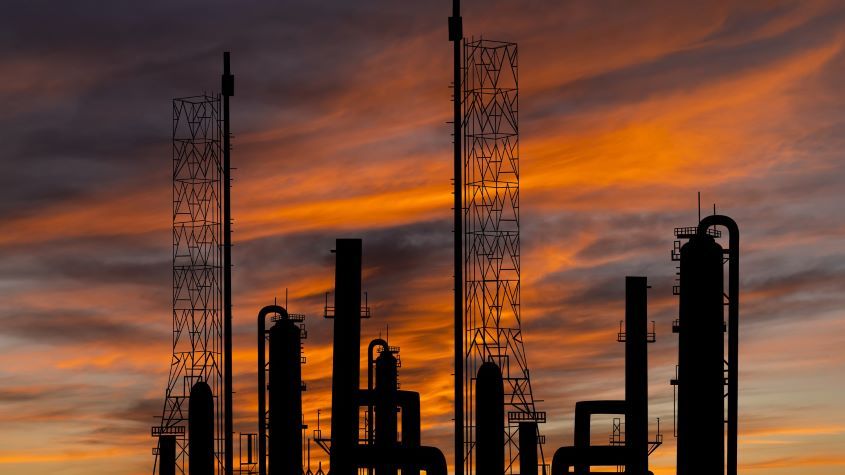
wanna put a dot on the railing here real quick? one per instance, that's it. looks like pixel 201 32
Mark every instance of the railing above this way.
pixel 538 416
pixel 158 431
pixel 687 232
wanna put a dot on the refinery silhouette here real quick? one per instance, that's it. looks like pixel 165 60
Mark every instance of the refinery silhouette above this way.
pixel 497 417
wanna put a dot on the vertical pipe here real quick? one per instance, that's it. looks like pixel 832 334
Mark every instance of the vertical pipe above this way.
pixel 201 430
pixel 167 455
pixel 528 448
pixel 262 406
pixel 582 433
pixel 489 421
pixel 636 375
pixel 409 402
pixel 262 386
pixel 455 36
pixel 346 356
pixel 701 435
pixel 386 405
pixel 370 380
pixel 228 89
pixel 285 399
pixel 733 331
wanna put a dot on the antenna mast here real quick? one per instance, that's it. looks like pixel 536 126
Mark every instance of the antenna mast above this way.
pixel 228 90
pixel 456 36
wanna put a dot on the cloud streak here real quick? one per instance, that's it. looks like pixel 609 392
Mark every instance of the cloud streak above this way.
pixel 339 121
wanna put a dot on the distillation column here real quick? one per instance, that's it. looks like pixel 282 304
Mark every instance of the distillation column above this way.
pixel 701 440
pixel 285 415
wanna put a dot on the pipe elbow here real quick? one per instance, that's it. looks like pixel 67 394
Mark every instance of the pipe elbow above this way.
pixel 719 220
pixel 271 309
pixel 559 464
pixel 377 342
pixel 430 459
pixel 433 460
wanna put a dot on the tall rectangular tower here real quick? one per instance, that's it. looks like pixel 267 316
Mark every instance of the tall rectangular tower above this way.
pixel 492 322
pixel 197 272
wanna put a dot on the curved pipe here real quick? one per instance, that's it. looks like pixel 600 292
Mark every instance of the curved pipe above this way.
pixel 409 402
pixel 429 459
pixel 733 329
pixel 568 457
pixel 370 359
pixel 584 410
pixel 262 385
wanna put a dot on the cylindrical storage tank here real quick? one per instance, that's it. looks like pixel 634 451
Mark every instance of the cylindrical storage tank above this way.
pixel 701 351
pixel 167 455
pixel 285 390
pixel 201 430
pixel 489 421
pixel 386 407
pixel 528 448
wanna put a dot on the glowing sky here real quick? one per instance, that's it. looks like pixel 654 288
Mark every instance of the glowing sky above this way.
pixel 627 109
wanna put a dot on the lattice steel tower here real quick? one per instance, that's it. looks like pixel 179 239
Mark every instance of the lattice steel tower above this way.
pixel 200 173
pixel 491 267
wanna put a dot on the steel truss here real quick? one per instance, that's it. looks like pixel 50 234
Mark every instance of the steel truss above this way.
pixel 197 271
pixel 492 321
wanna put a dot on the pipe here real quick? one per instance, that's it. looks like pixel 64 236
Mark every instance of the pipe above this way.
pixel 634 454
pixel 490 420
pixel 409 403
pixel 584 410
pixel 385 397
pixel 409 456
pixel 346 455
pixel 528 448
pixel 636 374
pixel 167 455
pixel 227 90
pixel 262 386
pixel 370 381
pixel 456 36
pixel 568 457
pixel 733 331
pixel 429 459
pixel 285 399
pixel 701 406
pixel 201 430
pixel 346 356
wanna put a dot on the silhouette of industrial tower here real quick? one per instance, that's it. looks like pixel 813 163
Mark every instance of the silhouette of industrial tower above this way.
pixel 201 280
pixel 491 266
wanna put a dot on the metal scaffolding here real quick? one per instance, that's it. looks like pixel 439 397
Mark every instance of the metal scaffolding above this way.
pixel 492 324
pixel 197 271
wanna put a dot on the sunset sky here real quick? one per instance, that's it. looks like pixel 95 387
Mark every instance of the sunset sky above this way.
pixel 627 109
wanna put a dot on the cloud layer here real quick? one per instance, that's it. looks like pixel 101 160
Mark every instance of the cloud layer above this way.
pixel 627 110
